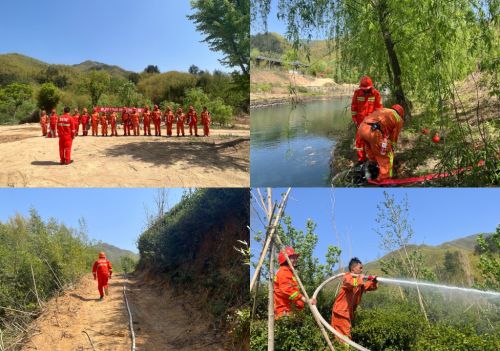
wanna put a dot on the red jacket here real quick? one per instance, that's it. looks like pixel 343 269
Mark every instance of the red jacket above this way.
pixel 390 123
pixel 66 126
pixel 53 119
pixel 350 294
pixel 102 267
pixel 364 104
pixel 286 292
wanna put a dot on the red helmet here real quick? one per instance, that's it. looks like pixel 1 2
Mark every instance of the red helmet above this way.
pixel 289 251
pixel 366 83
pixel 102 255
pixel 399 109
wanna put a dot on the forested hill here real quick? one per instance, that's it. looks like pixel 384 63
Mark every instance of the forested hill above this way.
pixel 455 261
pixel 114 254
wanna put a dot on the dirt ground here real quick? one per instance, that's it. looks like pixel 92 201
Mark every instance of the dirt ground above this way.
pixel 161 321
pixel 30 160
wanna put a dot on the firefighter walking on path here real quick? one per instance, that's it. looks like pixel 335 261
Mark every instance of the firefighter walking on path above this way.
pixel 365 100
pixel 66 130
pixel 355 284
pixel 287 296
pixel 102 271
pixel 379 132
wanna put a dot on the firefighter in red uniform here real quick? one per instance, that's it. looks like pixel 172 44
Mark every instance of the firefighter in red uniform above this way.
pixel 104 124
pixel 134 117
pixel 66 130
pixel 205 120
pixel 380 131
pixel 146 121
pixel 126 121
pixel 43 122
pixel 169 120
pixel 179 121
pixel 102 271
pixel 95 122
pixel 365 100
pixel 76 118
pixel 85 121
pixel 53 124
pixel 192 121
pixel 353 287
pixel 156 115
pixel 112 121
pixel 287 296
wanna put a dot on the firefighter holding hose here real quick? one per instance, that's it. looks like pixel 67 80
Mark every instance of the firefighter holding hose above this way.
pixel 355 284
pixel 287 296
pixel 102 271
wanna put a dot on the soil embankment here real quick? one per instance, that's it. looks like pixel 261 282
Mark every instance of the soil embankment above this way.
pixel 30 160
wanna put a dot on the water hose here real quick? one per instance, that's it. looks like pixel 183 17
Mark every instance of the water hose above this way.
pixel 132 334
pixel 327 325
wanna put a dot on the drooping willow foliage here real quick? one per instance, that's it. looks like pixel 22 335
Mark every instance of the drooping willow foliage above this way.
pixel 419 50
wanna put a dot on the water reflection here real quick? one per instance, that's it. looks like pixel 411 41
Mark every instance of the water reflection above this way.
pixel 291 146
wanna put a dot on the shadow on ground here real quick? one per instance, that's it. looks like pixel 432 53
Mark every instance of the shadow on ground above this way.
pixel 208 155
pixel 45 163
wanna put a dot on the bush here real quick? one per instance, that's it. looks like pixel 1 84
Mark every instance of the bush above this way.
pixel 48 97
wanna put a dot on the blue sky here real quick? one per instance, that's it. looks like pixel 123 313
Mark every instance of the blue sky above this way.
pixel 437 216
pixel 129 33
pixel 115 216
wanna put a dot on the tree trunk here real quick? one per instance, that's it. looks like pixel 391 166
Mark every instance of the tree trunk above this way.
pixel 393 57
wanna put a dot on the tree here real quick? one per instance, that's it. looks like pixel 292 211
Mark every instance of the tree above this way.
pixel 15 95
pixel 194 70
pixel 128 264
pixel 48 96
pixel 95 83
pixel 489 261
pixel 226 24
pixel 152 69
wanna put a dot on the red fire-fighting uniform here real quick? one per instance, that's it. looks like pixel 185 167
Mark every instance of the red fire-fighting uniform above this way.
pixel 134 118
pixel 205 120
pixel 179 121
pixel 193 121
pixel 156 116
pixel 112 121
pixel 43 123
pixel 146 121
pixel 102 271
pixel 85 121
pixel 390 123
pixel 169 120
pixel 347 300
pixel 365 100
pixel 95 123
pixel 53 125
pixel 126 122
pixel 104 124
pixel 76 118
pixel 66 131
pixel 286 292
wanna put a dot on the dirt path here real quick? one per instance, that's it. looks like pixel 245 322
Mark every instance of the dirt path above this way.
pixel 161 321
pixel 29 160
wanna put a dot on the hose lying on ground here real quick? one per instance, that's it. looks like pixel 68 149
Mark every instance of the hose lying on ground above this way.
pixel 325 323
pixel 132 334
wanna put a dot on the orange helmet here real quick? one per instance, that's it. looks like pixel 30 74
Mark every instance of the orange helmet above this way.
pixel 399 109
pixel 102 255
pixel 289 251
pixel 366 83
pixel 156 107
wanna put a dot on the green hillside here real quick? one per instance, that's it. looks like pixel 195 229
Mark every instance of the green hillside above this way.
pixel 114 253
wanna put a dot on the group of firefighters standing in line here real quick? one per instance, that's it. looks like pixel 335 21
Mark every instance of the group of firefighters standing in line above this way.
pixel 378 128
pixel 131 120
pixel 287 296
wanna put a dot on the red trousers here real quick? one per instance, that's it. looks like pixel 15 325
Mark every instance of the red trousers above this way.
pixel 169 129
pixel 341 324
pixel 102 282
pixel 65 149
pixel 53 132
pixel 113 129
pixel 206 130
pixel 77 128
pixel 104 129
pixel 135 128
pixel 157 124
pixel 126 128
pixel 84 127
pixel 373 146
pixel 180 128
pixel 95 127
pixel 147 127
pixel 195 126
pixel 360 148
pixel 44 129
